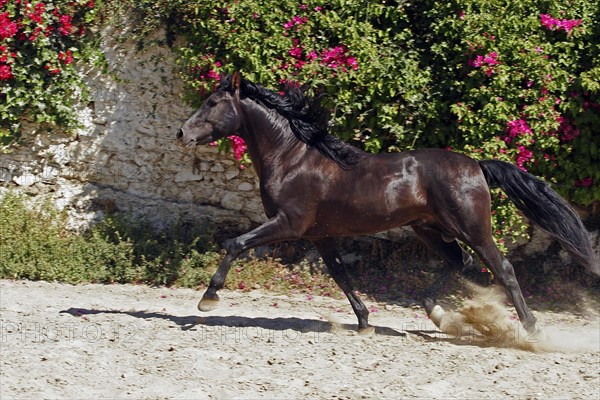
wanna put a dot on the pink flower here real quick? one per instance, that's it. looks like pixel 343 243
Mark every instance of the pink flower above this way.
pixel 295 21
pixel 477 62
pixel 239 147
pixel 515 128
pixel 352 63
pixel 65 24
pixel 525 155
pixel 336 58
pixel 552 23
pixel 491 58
pixel 585 182
pixel 8 28
pixel 487 61
pixel 212 74
pixel 566 130
pixel 5 72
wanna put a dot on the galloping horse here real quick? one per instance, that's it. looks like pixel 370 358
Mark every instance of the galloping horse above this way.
pixel 316 187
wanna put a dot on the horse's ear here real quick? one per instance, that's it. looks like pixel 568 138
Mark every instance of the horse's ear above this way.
pixel 236 81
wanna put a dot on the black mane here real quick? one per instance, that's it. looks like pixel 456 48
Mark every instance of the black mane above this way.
pixel 307 119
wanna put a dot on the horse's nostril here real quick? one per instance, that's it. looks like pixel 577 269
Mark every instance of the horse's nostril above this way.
pixel 180 134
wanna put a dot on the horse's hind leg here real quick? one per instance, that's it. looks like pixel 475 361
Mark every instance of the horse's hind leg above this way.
pixel 328 249
pixel 504 272
pixel 455 260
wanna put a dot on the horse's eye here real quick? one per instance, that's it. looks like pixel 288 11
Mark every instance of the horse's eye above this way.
pixel 211 102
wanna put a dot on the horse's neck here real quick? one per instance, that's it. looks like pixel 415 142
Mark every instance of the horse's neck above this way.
pixel 269 137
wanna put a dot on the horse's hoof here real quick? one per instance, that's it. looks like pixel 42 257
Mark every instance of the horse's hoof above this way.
pixel 208 304
pixel 436 315
pixel 536 335
pixel 367 331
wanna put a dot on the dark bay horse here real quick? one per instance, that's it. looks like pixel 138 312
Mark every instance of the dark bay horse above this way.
pixel 316 187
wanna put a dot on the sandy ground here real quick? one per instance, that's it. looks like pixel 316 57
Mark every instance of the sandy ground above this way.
pixel 126 342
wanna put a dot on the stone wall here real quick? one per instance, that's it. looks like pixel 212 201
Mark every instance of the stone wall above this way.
pixel 124 157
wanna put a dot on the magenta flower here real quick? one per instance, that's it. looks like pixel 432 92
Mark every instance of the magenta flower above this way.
pixel 5 72
pixel 476 62
pixel 295 21
pixel 296 52
pixel 8 28
pixel 525 155
pixel 336 58
pixel 566 129
pixel 515 128
pixel 239 147
pixel 585 182
pixel 553 24
pixel 212 74
pixel 487 61
pixel 491 58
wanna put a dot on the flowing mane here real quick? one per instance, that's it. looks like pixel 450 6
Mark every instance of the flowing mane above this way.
pixel 306 117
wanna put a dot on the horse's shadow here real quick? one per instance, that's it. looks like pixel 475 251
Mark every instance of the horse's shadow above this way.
pixel 191 322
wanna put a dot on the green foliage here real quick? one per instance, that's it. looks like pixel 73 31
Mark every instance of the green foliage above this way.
pixel 490 78
pixel 34 244
pixel 517 81
pixel 39 46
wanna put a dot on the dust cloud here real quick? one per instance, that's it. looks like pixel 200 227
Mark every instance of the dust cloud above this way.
pixel 486 320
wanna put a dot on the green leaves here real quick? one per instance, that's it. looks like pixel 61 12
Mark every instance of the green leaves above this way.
pixel 39 78
pixel 395 75
pixel 429 74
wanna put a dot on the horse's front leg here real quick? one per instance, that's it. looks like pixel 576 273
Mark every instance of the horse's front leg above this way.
pixel 274 230
pixel 328 249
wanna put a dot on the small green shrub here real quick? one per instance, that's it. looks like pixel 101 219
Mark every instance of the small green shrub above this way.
pixel 34 244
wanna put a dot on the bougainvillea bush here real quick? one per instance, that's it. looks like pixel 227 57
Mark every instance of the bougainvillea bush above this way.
pixel 517 81
pixel 39 42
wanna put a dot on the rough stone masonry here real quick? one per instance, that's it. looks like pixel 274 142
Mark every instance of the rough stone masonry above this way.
pixel 124 156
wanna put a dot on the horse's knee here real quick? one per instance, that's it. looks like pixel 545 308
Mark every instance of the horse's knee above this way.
pixel 232 246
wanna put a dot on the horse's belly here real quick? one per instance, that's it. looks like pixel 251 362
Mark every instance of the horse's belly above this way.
pixel 351 222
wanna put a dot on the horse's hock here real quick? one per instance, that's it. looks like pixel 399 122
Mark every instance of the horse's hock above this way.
pixel 124 157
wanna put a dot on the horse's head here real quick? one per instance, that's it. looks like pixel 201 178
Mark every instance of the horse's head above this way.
pixel 218 117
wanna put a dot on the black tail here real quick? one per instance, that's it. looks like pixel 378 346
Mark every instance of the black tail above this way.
pixel 544 207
